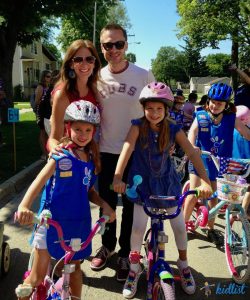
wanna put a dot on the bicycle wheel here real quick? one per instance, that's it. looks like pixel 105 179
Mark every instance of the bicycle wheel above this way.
pixel 202 216
pixel 163 290
pixel 237 253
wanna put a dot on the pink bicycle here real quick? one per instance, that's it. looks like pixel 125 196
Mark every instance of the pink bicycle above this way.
pixel 59 289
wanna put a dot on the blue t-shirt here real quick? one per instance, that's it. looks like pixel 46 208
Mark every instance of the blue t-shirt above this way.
pixel 241 146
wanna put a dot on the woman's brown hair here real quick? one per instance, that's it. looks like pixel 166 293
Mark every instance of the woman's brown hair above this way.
pixel 70 83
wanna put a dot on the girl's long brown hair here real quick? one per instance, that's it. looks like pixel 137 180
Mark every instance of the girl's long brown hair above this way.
pixel 69 86
pixel 164 134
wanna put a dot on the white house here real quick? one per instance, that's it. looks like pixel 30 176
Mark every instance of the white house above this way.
pixel 28 64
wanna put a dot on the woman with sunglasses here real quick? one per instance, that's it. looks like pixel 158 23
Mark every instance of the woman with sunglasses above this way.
pixel 78 79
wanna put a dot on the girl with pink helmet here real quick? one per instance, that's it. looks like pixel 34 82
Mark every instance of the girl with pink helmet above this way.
pixel 150 138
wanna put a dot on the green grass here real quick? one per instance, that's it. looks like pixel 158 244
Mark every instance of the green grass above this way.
pixel 27 145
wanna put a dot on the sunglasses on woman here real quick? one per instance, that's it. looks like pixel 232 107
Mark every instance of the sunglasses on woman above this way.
pixel 80 59
pixel 119 45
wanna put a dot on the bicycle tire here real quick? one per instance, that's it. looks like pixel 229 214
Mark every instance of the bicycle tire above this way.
pixel 163 290
pixel 237 255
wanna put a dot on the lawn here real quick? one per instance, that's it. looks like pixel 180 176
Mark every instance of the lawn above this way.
pixel 27 144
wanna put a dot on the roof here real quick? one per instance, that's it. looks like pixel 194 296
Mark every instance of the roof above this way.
pixel 202 80
pixel 50 55
pixel 221 79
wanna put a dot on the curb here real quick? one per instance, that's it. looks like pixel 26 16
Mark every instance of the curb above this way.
pixel 18 182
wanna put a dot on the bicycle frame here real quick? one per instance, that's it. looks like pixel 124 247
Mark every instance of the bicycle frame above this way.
pixel 157 265
pixel 61 287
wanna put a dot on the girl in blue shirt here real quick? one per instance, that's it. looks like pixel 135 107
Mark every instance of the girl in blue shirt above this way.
pixel 212 130
pixel 151 138
pixel 69 180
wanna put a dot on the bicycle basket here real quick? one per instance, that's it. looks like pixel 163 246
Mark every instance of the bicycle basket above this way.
pixel 230 191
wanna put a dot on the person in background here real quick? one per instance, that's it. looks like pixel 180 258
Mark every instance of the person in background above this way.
pixel 45 106
pixel 202 103
pixel 242 93
pixel 78 80
pixel 67 197
pixel 40 92
pixel 189 109
pixel 123 82
pixel 4 105
pixel 241 148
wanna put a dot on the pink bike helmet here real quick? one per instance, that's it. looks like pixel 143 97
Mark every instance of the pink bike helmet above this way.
pixel 243 113
pixel 158 92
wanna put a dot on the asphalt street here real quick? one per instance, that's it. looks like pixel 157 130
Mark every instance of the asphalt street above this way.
pixel 207 262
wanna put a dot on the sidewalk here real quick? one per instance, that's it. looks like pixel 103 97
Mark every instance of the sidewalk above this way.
pixel 17 183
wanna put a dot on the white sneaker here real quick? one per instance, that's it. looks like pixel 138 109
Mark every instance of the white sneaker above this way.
pixel 187 280
pixel 130 286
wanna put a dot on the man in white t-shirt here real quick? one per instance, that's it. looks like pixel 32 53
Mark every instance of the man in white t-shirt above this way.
pixel 123 82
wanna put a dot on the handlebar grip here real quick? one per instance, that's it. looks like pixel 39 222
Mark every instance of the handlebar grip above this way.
pixel 102 224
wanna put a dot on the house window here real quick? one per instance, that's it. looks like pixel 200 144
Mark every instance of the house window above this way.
pixel 34 48
pixel 47 66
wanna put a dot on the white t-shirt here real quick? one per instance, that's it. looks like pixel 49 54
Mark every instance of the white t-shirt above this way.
pixel 120 104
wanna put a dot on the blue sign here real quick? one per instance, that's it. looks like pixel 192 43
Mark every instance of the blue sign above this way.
pixel 13 115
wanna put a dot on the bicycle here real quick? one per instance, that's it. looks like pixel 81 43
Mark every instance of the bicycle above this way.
pixel 59 289
pixel 159 274
pixel 237 229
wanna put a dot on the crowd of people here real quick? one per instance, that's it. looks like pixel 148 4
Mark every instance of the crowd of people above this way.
pixel 115 122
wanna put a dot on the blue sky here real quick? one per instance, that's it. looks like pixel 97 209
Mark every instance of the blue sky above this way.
pixel 154 25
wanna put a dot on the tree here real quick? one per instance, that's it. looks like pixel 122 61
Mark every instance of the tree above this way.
pixel 206 22
pixel 80 24
pixel 131 57
pixel 217 64
pixel 196 65
pixel 24 21
pixel 170 64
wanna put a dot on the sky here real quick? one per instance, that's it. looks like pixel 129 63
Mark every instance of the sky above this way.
pixel 154 26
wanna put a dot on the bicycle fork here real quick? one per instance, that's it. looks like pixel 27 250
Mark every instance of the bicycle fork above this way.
pixel 160 267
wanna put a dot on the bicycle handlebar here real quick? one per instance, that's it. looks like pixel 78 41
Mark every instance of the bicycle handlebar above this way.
pixel 133 192
pixel 46 219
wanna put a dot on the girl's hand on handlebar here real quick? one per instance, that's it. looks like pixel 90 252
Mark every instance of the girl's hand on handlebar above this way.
pixel 24 216
pixel 118 185
pixel 107 210
pixel 205 191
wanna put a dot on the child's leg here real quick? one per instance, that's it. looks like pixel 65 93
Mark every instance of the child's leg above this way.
pixel 212 203
pixel 140 220
pixel 76 280
pixel 191 200
pixel 179 229
pixel 39 269
pixel 246 202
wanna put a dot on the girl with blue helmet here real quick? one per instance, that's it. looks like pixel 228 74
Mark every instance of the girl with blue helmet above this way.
pixel 150 138
pixel 212 130
pixel 69 186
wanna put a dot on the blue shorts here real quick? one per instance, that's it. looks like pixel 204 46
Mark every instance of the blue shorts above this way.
pixel 209 165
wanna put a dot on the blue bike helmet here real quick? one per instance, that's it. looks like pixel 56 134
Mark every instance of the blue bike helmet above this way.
pixel 220 92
